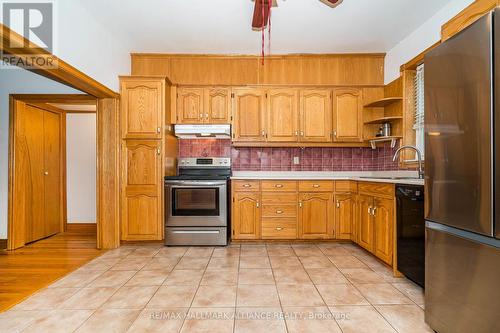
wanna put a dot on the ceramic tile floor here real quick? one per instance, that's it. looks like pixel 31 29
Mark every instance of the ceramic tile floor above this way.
pixel 323 287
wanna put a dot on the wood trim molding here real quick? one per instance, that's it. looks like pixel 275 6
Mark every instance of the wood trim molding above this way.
pixel 64 72
pixel 82 228
pixel 466 17
pixel 417 60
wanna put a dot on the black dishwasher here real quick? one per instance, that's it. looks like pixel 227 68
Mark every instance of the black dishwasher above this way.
pixel 411 232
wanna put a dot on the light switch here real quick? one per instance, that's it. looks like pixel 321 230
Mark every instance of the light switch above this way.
pixel 296 160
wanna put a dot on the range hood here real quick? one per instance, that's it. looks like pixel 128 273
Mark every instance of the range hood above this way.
pixel 202 131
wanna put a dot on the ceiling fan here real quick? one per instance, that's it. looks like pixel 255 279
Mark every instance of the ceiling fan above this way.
pixel 263 7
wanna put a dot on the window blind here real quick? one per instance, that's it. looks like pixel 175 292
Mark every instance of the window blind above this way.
pixel 418 125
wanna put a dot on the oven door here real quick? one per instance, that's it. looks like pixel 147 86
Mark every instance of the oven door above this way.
pixel 196 203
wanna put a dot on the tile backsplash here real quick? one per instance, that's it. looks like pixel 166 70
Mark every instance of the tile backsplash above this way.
pixel 281 159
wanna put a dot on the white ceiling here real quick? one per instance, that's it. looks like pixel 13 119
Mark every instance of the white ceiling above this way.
pixel 224 26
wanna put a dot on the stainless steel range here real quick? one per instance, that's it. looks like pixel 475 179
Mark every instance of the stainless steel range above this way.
pixel 196 202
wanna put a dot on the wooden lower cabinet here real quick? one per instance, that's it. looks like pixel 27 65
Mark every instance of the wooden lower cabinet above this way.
pixel 344 215
pixel 316 220
pixel 384 229
pixel 364 222
pixel 246 214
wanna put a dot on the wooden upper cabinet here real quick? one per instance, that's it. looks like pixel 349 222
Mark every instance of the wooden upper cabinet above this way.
pixel 282 115
pixel 347 115
pixel 141 208
pixel 190 106
pixel 365 222
pixel 246 215
pixel 384 228
pixel 344 214
pixel 217 108
pixel 249 115
pixel 142 103
pixel 316 219
pixel 315 116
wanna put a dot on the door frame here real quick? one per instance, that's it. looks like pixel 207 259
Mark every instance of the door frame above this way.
pixel 15 232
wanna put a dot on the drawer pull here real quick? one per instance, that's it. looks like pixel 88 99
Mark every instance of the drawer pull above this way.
pixel 278 185
pixel 279 212
pixel 279 228
pixel 247 185
pixel 316 185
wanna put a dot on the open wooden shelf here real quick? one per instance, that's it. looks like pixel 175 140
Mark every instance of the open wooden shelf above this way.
pixel 383 102
pixel 383 120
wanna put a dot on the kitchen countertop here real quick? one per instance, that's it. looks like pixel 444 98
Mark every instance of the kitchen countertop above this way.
pixel 375 176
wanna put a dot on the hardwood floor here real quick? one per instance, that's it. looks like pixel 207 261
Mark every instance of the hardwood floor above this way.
pixel 26 270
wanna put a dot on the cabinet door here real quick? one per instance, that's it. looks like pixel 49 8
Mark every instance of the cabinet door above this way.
pixel 384 229
pixel 315 116
pixel 142 212
pixel 246 215
pixel 190 106
pixel 282 115
pixel 347 115
pixel 365 222
pixel 316 220
pixel 217 106
pixel 249 115
pixel 344 213
pixel 142 108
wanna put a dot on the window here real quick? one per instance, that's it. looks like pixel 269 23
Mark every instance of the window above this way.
pixel 418 124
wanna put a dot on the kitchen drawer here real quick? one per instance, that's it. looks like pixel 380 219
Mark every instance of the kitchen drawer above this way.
pixel 279 186
pixel 284 210
pixel 279 228
pixel 279 198
pixel 246 185
pixel 346 186
pixel 316 186
pixel 377 189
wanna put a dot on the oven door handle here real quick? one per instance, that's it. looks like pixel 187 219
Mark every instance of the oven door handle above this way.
pixel 182 183
pixel 196 232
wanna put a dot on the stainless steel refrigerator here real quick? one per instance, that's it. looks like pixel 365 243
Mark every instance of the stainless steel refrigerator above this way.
pixel 462 167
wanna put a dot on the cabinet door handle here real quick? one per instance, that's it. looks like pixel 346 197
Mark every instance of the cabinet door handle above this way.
pixel 338 204
pixel 301 133
pixel 158 130
pixel 279 228
pixel 46 173
pixel 334 133
pixel 263 133
pixel 296 133
pixel 247 185
pixel 258 204
pixel 370 210
pixel 374 211
pixel 279 212
pixel 278 185
pixel 316 185
pixel 300 204
pixel 201 115
pixel 158 151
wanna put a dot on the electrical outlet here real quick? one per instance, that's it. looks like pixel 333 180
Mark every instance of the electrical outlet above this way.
pixel 296 160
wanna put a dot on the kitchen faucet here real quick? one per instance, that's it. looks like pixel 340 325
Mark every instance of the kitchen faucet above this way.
pixel 419 156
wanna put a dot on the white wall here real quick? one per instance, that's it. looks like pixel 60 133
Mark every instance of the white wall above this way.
pixel 420 39
pixel 81 167
pixel 17 81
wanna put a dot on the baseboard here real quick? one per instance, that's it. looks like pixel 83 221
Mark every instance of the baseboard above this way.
pixel 81 228
pixel 3 244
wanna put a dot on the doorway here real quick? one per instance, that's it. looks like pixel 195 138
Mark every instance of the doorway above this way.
pixel 38 191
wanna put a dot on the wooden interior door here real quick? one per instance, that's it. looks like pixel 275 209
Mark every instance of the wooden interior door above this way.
pixel 347 115
pixel 315 116
pixel 142 203
pixel 344 213
pixel 365 222
pixel 282 115
pixel 249 115
pixel 384 228
pixel 246 215
pixel 142 108
pixel 190 106
pixel 316 220
pixel 217 105
pixel 53 175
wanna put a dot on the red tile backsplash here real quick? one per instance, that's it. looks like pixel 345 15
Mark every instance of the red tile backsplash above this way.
pixel 281 159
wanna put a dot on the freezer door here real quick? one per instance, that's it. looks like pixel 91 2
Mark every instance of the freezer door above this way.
pixel 458 130
pixel 461 283
pixel 497 120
